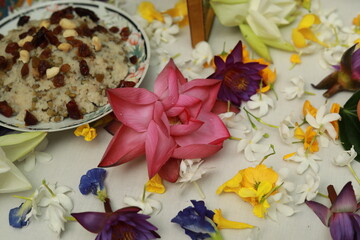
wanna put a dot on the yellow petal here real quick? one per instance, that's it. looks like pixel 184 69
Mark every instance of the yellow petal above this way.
pixel 247 192
pixel 289 155
pixel 155 185
pixel 261 208
pixel 82 130
pixel 309 35
pixel 335 108
pixel 91 134
pixel 298 39
pixel 299 133
pixel 148 11
pixel 308 20
pixel 224 223
pixel 232 185
pixel 261 173
pixel 295 58
pixel 308 108
pixel 263 189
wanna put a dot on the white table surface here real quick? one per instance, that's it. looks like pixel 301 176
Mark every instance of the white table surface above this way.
pixel 72 157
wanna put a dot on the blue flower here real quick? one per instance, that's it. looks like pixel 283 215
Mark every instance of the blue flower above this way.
pixel 197 221
pixel 17 216
pixel 93 182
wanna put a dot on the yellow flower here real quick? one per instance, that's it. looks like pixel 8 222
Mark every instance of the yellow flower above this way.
pixel 252 177
pixel 155 185
pixel 289 155
pixel 222 222
pixel 335 108
pixel 180 10
pixel 268 76
pixel 308 108
pixel 86 131
pixel 295 58
pixel 232 185
pixel 303 32
pixel 310 141
pixel 258 197
pixel 148 11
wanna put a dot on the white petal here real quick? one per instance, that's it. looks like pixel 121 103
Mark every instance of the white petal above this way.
pixel 311 120
pixel 242 145
pixel 66 202
pixel 259 148
pixel 249 155
pixel 331 117
pixel 302 167
pixel 43 157
pixel 285 210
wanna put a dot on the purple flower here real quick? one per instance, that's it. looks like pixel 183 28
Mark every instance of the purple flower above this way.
pixel 17 216
pixel 341 217
pixel 93 182
pixel 345 77
pixel 197 221
pixel 239 80
pixel 125 223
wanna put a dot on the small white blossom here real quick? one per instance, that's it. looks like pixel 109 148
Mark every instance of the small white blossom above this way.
pixel 57 206
pixel 306 160
pixel 278 203
pixel 345 158
pixel 331 56
pixel 308 190
pixel 36 198
pixel 262 102
pixel 202 53
pixel 295 91
pixel 322 122
pixel 147 205
pixel 190 170
pixel 251 146
pixel 190 70
pixel 286 129
pixel 164 31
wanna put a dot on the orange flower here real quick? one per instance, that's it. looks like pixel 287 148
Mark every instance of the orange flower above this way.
pixel 310 141
pixel 295 58
pixel 308 108
pixel 335 108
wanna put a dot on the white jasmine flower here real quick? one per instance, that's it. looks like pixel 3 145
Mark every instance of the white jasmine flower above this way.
pixel 331 56
pixel 231 119
pixel 306 160
pixel 147 205
pixel 190 170
pixel 36 198
pixel 262 102
pixel 322 122
pixel 251 146
pixel 37 156
pixel 295 91
pixel 190 70
pixel 202 53
pixel 278 203
pixel 345 158
pixel 57 205
pixel 164 31
pixel 308 190
pixel 286 129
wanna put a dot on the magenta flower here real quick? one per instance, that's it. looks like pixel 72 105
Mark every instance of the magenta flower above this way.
pixel 172 123
pixel 124 223
pixel 346 76
pixel 239 80
pixel 341 217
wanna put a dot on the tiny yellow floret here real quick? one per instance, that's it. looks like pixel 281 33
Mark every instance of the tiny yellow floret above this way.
pixel 155 185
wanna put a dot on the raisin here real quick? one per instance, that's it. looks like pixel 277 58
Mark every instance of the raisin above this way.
pixel 84 50
pixel 58 80
pixel 133 59
pixel 124 83
pixel 12 47
pixel 44 44
pixel 99 28
pixel 25 70
pixel 58 15
pixel 84 68
pixel 1 36
pixel 99 77
pixel 84 30
pixel 5 109
pixel 73 110
pixel 28 46
pixel 3 62
pixel 65 68
pixel 15 57
pixel 45 54
pixel 86 12
pixel 57 30
pixel 23 20
pixel 74 42
pixel 39 37
pixel 35 62
pixel 43 65
pixel 50 36
pixel 125 33
pixel 31 31
pixel 30 119
pixel 23 35
pixel 114 29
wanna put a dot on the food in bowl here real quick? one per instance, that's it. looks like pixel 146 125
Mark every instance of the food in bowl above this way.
pixel 60 67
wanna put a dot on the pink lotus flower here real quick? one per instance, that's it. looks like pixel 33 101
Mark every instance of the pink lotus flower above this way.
pixel 175 122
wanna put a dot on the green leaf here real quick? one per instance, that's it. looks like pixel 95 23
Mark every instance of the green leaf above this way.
pixel 349 126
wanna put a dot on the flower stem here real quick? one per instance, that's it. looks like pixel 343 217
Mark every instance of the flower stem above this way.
pixel 200 191
pixel 265 157
pixel 235 138
pixel 353 173
pixel 21 197
pixel 273 89
pixel 258 119
pixel 72 219
pixel 107 206
pixel 322 195
pixel 48 188
pixel 310 93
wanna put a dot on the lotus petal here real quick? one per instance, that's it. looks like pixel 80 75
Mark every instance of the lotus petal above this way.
pixel 320 210
pixel 91 221
pixel 346 200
